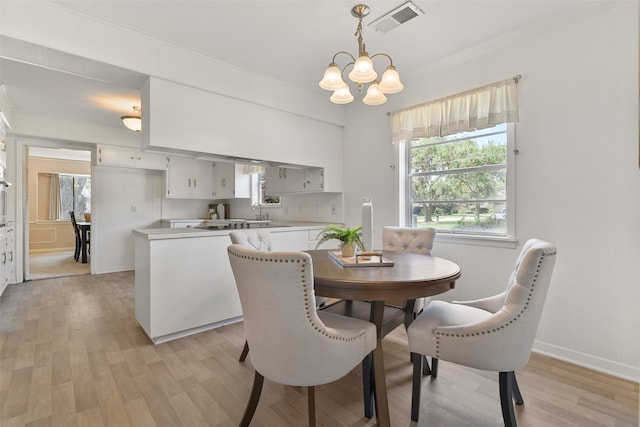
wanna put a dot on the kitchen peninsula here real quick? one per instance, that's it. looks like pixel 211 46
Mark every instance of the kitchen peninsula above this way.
pixel 183 280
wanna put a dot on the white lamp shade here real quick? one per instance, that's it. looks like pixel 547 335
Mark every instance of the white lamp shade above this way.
pixel 342 95
pixel 363 71
pixel 132 122
pixel 390 82
pixel 374 95
pixel 332 79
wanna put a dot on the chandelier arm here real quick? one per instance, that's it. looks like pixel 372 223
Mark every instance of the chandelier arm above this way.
pixel 345 67
pixel 383 54
pixel 346 53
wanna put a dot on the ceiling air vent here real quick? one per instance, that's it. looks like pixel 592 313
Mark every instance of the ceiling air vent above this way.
pixel 396 17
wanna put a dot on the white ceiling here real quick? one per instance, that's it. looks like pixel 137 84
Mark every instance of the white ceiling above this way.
pixel 292 41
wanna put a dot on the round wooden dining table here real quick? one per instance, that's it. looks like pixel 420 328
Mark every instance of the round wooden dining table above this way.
pixel 411 276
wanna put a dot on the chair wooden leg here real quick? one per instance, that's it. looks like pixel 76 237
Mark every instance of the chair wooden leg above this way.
pixel 517 396
pixel 506 380
pixel 258 380
pixel 416 386
pixel 367 385
pixel 245 351
pixel 311 396
pixel 434 368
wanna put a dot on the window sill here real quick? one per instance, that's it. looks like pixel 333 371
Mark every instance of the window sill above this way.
pixel 470 239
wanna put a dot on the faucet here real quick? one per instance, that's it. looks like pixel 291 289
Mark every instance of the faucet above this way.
pixel 253 208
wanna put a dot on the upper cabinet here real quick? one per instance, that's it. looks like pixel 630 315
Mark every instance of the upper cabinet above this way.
pixel 130 158
pixel 281 180
pixel 231 181
pixel 285 180
pixel 190 179
pixel 313 179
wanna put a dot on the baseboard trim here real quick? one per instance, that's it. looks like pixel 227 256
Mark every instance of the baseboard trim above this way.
pixel 620 370
pixel 193 331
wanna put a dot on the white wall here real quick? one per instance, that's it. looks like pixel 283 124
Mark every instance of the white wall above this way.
pixel 577 179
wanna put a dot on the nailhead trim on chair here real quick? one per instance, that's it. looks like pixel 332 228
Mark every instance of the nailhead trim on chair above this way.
pixel 306 293
pixel 513 320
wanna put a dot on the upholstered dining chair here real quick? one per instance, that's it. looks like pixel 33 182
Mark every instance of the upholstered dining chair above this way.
pixel 259 240
pixel 291 343
pixel 407 239
pixel 493 334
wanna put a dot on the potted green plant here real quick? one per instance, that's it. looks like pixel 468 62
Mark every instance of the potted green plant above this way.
pixel 350 238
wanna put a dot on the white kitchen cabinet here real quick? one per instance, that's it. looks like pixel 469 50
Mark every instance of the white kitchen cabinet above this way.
pixel 123 199
pixel 283 180
pixel 313 179
pixel 295 240
pixel 3 260
pixel 190 179
pixel 128 158
pixel 166 305
pixel 11 250
pixel 231 181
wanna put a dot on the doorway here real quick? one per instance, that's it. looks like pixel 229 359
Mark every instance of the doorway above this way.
pixel 58 181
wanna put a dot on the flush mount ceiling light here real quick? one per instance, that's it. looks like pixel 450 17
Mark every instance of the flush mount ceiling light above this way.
pixel 133 122
pixel 362 72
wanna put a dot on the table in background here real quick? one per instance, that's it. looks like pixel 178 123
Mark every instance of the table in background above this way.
pixel 412 276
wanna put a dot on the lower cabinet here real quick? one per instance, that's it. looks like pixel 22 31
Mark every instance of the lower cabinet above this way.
pixel 184 286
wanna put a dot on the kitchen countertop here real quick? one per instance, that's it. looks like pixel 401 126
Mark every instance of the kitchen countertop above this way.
pixel 180 233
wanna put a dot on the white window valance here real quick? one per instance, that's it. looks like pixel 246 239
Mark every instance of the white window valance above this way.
pixel 475 109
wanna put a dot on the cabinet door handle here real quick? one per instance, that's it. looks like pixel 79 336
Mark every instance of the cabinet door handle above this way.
pixel 4 257
pixel 11 256
pixel 195 183
pixel 189 179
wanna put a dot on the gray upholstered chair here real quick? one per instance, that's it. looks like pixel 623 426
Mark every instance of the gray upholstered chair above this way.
pixel 406 239
pixel 493 334
pixel 292 343
pixel 259 240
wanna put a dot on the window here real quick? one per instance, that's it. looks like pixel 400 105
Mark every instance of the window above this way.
pixel 257 191
pixel 75 195
pixel 459 184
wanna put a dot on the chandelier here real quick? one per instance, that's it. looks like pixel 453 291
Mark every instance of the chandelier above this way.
pixel 362 72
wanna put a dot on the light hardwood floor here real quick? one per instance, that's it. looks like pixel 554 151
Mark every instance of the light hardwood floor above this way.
pixel 44 265
pixel 72 354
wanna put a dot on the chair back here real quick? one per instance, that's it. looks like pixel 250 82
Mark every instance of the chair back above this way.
pixel 507 328
pixel 288 341
pixel 527 290
pixel 74 223
pixel 259 240
pixel 407 239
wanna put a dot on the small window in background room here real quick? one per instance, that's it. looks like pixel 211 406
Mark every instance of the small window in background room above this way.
pixel 257 191
pixel 458 183
pixel 75 195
